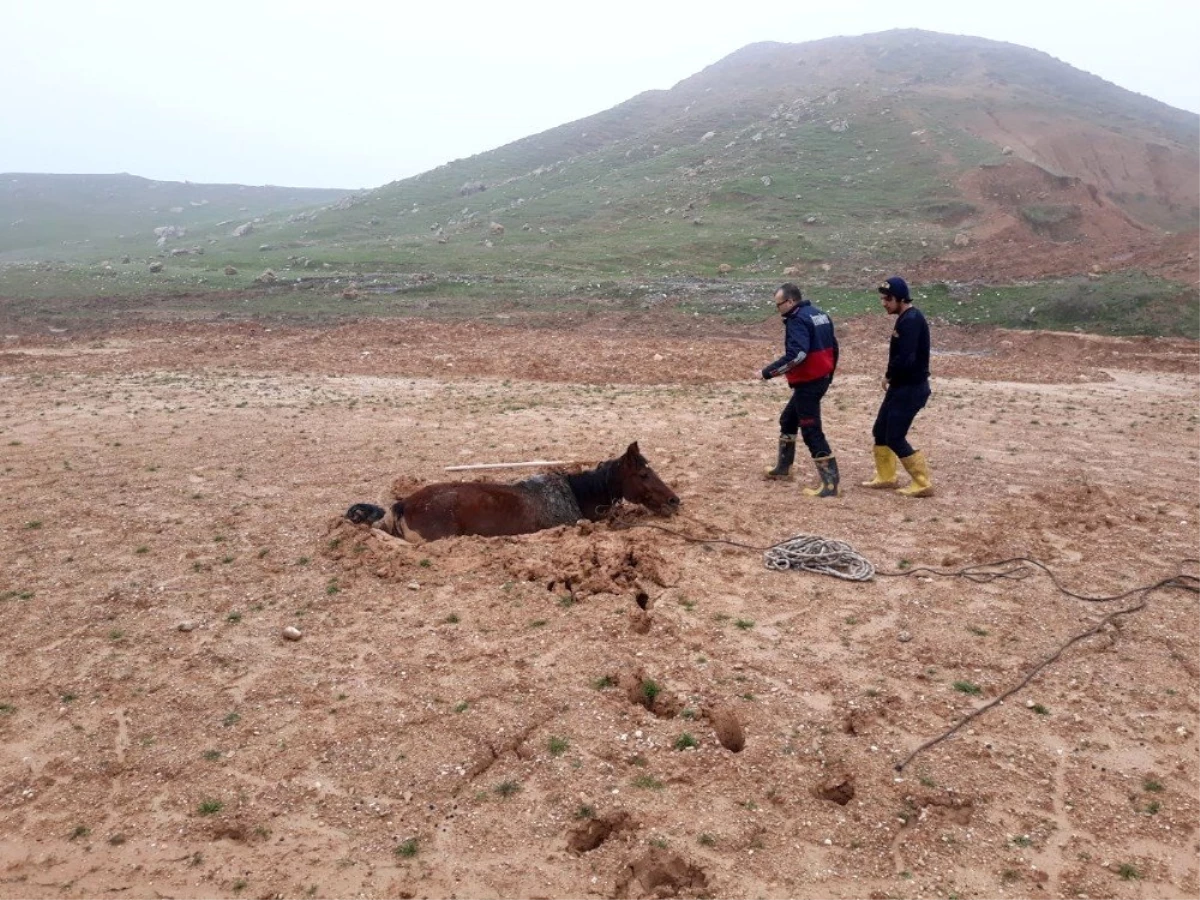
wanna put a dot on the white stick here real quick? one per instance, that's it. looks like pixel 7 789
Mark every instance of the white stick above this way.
pixel 517 465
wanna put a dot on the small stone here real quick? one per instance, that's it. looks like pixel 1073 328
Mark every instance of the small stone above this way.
pixel 904 637
pixel 292 633
pixel 414 586
pixel 187 626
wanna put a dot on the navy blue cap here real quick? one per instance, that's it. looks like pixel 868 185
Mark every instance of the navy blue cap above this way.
pixel 895 287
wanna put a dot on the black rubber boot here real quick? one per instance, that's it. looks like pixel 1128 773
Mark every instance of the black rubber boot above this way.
pixel 783 461
pixel 828 470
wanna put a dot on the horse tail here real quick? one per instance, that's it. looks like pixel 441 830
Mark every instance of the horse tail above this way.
pixel 361 513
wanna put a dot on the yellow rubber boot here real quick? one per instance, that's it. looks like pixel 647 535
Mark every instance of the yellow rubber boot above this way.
pixel 885 469
pixel 828 470
pixel 918 469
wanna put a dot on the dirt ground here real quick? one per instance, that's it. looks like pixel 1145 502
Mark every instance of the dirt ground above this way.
pixel 501 717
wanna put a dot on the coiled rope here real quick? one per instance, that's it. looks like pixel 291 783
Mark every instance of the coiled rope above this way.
pixel 822 555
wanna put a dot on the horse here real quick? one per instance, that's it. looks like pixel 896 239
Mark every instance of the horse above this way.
pixel 450 509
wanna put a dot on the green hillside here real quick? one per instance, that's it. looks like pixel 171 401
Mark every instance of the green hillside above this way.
pixel 950 158
pixel 80 216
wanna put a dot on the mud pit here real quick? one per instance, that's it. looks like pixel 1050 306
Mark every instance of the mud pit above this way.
pixel 468 717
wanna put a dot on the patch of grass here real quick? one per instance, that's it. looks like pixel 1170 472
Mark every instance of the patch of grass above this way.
pixel 210 807
pixel 744 624
pixel 558 746
pixel 407 849
pixel 649 690
pixel 566 601
pixel 649 782
pixel 706 840
pixel 507 788
pixel 80 831
pixel 1040 710
pixel 1152 785
pixel 234 617
pixel 967 687
pixel 976 630
pixel 231 719
pixel 34 525
pixel 686 742
pixel 585 811
pixel 211 755
pixel 1128 872
pixel 604 682
pixel 1022 840
pixel 451 619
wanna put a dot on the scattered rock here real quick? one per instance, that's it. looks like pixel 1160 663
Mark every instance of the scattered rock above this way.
pixel 187 625
pixel 292 633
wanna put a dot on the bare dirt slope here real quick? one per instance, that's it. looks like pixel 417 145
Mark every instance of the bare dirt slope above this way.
pixel 500 717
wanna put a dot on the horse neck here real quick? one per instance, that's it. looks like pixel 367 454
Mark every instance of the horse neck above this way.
pixel 596 491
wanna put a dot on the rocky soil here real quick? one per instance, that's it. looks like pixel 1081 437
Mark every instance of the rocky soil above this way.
pixel 635 708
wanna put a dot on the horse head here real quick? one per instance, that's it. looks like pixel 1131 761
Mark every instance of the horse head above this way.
pixel 640 484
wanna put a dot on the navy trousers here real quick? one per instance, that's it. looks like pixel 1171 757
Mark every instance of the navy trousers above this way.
pixel 900 406
pixel 803 414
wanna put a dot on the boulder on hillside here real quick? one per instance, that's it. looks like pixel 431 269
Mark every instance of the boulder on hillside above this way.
pixel 244 229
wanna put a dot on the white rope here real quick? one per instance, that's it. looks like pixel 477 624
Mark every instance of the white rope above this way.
pixel 821 555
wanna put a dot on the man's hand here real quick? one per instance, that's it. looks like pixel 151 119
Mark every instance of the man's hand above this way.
pixel 766 374
pixel 885 384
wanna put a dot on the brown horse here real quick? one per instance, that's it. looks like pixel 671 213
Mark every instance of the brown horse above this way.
pixel 449 509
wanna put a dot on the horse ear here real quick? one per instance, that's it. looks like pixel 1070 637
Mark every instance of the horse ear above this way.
pixel 632 450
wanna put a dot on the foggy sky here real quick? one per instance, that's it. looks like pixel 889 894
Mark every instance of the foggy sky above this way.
pixel 355 94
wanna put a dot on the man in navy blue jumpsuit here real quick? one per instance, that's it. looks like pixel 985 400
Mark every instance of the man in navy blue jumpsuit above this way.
pixel 809 359
pixel 906 391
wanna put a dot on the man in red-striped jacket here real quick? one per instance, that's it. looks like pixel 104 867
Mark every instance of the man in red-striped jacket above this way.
pixel 809 359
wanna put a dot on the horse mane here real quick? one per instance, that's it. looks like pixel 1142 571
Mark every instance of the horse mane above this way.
pixel 595 490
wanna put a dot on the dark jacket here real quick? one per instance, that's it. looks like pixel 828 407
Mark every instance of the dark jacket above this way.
pixel 810 348
pixel 908 353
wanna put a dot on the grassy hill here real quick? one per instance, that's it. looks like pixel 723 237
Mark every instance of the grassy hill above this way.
pixel 79 216
pixel 951 159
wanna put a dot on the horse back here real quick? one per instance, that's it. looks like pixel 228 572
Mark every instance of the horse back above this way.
pixel 449 509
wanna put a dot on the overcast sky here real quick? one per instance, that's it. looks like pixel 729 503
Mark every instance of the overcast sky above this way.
pixel 354 94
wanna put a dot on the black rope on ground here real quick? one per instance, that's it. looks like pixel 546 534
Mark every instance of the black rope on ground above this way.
pixel 1018 568
pixel 1185 582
